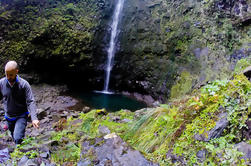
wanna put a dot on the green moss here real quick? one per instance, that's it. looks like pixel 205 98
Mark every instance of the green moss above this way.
pixel 242 64
pixel 69 153
pixel 174 127
pixel 170 127
pixel 47 29
pixel 183 85
pixel 28 148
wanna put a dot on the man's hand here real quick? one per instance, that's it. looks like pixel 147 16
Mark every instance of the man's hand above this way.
pixel 35 123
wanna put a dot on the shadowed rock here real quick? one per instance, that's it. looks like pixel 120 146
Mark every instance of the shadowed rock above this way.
pixel 111 151
pixel 216 131
pixel 247 72
pixel 245 149
pixel 4 155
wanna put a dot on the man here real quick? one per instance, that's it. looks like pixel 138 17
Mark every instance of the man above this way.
pixel 18 102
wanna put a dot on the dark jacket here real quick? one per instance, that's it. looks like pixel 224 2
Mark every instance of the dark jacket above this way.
pixel 17 100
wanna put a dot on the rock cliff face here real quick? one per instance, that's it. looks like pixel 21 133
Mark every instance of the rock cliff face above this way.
pixel 166 47
pixel 52 38
pixel 169 47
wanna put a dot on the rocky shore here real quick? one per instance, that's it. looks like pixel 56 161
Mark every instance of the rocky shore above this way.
pixel 54 109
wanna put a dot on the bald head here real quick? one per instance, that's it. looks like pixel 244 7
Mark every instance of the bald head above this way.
pixel 11 65
pixel 11 70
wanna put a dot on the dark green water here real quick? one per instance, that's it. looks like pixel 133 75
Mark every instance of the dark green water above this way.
pixel 111 102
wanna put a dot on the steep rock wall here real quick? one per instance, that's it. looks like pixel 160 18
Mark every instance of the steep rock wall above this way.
pixel 165 44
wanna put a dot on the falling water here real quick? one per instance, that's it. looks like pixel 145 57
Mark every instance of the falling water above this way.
pixel 111 50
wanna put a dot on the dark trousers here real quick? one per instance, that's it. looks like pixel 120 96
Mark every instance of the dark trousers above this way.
pixel 17 128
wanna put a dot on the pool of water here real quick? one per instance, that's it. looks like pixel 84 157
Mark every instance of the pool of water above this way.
pixel 111 102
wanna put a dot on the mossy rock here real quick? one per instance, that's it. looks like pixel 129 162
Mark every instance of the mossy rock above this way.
pixel 183 85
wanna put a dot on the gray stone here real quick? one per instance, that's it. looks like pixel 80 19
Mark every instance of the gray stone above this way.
pixel 174 158
pixel 111 151
pixel 31 162
pixel 56 117
pixel 44 155
pixel 115 118
pixel 205 51
pixel 4 155
pixel 35 133
pixel 216 131
pixel 156 104
pixel 41 113
pixel 23 161
pixel 103 130
pixel 148 99
pixel 245 149
pixel 197 52
pixel 84 163
pixel 126 120
pixel 45 120
pixel 201 155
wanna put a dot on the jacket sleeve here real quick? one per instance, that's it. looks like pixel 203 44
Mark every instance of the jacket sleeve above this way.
pixel 1 95
pixel 30 102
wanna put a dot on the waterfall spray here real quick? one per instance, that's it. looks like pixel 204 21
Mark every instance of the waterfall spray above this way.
pixel 112 45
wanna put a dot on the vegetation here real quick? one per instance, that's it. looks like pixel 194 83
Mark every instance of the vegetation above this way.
pixel 182 46
pixel 46 29
pixel 170 128
pixel 28 148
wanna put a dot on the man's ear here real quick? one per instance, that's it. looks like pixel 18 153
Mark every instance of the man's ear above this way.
pixel 17 70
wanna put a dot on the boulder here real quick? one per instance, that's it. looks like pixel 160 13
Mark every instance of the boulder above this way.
pixel 103 130
pixel 201 155
pixel 4 155
pixel 245 149
pixel 111 150
pixel 216 132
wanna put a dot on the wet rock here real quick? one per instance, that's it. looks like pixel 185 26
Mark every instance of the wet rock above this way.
pixel 84 162
pixel 245 149
pixel 101 112
pixel 4 155
pixel 247 72
pixel 111 151
pixel 56 117
pixel 32 78
pixel 86 109
pixel 45 120
pixel 141 112
pixel 35 133
pixel 126 120
pixel 202 155
pixel 44 155
pixel 175 158
pixel 168 30
pixel 48 97
pixel 247 131
pixel 115 118
pixel 216 131
pixel 197 52
pixel 30 162
pixel 74 115
pixel 41 113
pixel 156 104
pixel 148 99
pixel 23 161
pixel 186 25
pixel 103 130
pixel 237 55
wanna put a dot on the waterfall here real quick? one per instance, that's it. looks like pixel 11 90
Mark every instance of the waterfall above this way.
pixel 111 50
